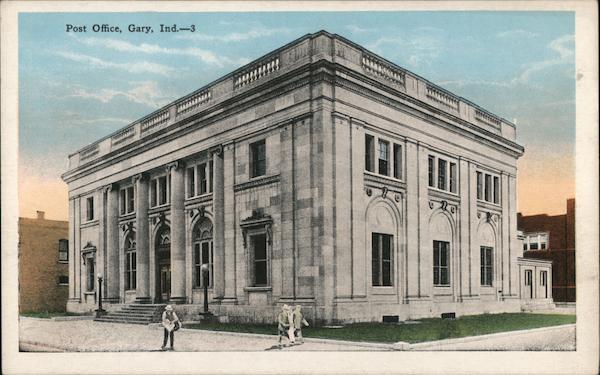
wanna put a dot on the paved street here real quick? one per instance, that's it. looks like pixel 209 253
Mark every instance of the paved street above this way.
pixel 87 335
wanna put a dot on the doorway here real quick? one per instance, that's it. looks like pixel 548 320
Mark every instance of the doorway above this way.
pixel 163 265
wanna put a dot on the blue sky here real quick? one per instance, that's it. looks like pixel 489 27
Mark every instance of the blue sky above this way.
pixel 75 88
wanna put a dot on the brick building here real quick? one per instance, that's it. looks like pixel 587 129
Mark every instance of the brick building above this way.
pixel 319 174
pixel 43 264
pixel 553 238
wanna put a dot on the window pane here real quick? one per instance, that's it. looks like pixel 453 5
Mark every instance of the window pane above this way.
pixel 260 248
pixel 153 195
pixel 436 276
pixel 162 187
pixel 442 174
pixel 444 254
pixel 479 185
pixel 444 279
pixel 533 245
pixel 202 183
pixel 205 254
pixel 386 250
pixel 260 272
pixel 375 261
pixel 496 190
pixel 488 187
pixel 190 175
pixel 369 153
pixel 130 205
pixel 488 257
pixel 387 273
pixel 258 158
pixel 397 161
pixel 384 157
pixel 431 170
pixel 452 177
pixel 436 253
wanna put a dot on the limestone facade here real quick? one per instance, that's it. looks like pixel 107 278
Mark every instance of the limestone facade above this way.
pixel 319 174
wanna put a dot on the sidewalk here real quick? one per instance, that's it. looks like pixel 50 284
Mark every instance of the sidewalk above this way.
pixel 90 336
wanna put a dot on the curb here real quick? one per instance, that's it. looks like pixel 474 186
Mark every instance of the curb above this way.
pixel 461 340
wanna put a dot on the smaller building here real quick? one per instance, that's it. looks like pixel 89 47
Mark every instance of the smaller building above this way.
pixel 553 238
pixel 43 264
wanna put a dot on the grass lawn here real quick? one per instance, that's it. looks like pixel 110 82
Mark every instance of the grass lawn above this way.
pixel 428 330
pixel 48 314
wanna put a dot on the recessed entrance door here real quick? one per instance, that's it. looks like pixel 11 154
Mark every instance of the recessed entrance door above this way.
pixel 165 282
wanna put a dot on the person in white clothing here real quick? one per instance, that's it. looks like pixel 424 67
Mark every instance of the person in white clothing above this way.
pixel 171 323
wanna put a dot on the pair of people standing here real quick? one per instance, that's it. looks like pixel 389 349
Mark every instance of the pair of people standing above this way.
pixel 290 324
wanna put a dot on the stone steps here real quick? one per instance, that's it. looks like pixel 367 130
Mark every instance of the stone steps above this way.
pixel 134 314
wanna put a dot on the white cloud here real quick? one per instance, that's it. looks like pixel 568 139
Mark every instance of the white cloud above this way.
pixel 357 29
pixel 417 49
pixel 565 49
pixel 203 55
pixel 255 33
pixel 517 33
pixel 144 92
pixel 133 67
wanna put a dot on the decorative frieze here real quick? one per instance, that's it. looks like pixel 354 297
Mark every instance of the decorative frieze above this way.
pixel 193 102
pixel 123 136
pixel 442 97
pixel 378 67
pixel 257 71
pixel 487 118
pixel 256 183
pixel 155 122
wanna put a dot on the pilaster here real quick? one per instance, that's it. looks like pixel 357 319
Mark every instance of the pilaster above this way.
pixel 219 224
pixel 112 276
pixel 177 170
pixel 140 182
pixel 412 220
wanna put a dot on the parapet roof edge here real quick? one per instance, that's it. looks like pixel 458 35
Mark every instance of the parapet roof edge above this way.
pixel 295 41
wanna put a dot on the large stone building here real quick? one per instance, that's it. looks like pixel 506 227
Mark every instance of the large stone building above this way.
pixel 43 264
pixel 319 174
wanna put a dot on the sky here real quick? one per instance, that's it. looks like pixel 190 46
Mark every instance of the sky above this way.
pixel 77 87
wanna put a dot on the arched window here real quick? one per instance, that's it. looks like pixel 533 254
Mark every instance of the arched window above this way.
pixel 130 261
pixel 203 251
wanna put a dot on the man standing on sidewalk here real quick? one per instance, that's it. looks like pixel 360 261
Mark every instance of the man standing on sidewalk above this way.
pixel 171 323
pixel 298 322
pixel 285 324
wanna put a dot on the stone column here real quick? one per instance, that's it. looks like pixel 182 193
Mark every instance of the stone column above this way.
pixel 219 224
pixel 142 294
pixel 177 232
pixel 112 244
pixel 72 256
pixel 412 221
pixel 101 251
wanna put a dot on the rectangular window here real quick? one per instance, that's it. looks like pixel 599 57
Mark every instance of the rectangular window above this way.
pixel 533 242
pixel 63 280
pixel 202 179
pixel 163 197
pixel 381 259
pixel 130 270
pixel 63 250
pixel 90 208
pixel 441 261
pixel 260 261
pixel 442 174
pixel 431 171
pixel 543 241
pixel 479 185
pixel 453 187
pixel 369 153
pixel 496 190
pixel 191 182
pixel 209 176
pixel 486 265
pixel 397 161
pixel 91 281
pixel 529 282
pixel 488 188
pixel 127 201
pixel 258 159
pixel 153 193
pixel 384 157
